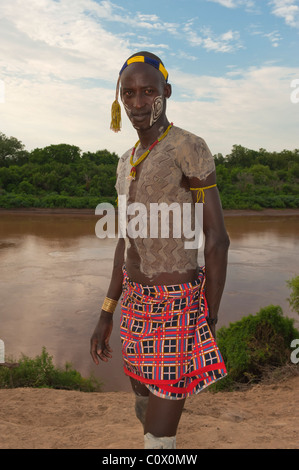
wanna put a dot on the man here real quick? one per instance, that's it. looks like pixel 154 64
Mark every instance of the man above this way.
pixel 169 304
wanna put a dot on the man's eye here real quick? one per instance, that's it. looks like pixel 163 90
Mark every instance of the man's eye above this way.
pixel 128 93
pixel 149 92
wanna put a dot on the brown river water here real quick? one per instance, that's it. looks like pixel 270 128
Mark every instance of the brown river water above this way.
pixel 55 273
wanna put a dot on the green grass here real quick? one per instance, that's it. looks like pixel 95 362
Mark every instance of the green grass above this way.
pixel 40 372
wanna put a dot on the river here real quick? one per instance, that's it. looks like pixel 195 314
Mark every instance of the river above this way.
pixel 55 273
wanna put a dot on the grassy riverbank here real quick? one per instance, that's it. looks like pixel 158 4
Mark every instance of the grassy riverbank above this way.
pixel 40 372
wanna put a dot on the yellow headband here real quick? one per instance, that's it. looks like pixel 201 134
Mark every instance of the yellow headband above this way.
pixel 116 110
pixel 146 60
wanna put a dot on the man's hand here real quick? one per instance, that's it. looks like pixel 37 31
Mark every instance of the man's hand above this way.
pixel 99 343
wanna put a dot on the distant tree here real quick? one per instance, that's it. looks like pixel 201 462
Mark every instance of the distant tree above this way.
pixel 261 173
pixel 60 176
pixel 219 159
pixel 12 151
pixel 241 156
pixel 26 188
pixel 101 157
pixel 62 153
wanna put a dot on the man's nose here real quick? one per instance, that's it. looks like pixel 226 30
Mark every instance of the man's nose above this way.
pixel 139 101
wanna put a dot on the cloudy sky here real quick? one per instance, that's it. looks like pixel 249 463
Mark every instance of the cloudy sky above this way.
pixel 232 64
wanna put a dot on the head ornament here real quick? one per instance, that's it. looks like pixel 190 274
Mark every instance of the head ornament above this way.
pixel 115 109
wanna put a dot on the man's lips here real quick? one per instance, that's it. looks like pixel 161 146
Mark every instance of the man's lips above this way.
pixel 139 117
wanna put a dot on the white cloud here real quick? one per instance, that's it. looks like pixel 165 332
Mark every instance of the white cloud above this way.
pixel 288 10
pixel 274 37
pixel 252 109
pixel 53 35
pixel 57 58
pixel 41 114
pixel 69 40
pixel 249 4
pixel 208 40
pixel 227 3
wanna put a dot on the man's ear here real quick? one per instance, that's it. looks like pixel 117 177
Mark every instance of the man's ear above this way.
pixel 167 90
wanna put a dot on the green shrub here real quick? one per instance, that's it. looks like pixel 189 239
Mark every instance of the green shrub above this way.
pixel 40 372
pixel 293 284
pixel 254 343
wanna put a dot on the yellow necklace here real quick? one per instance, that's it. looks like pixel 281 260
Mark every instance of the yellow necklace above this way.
pixel 143 156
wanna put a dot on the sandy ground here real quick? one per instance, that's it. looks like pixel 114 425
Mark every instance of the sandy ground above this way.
pixel 262 417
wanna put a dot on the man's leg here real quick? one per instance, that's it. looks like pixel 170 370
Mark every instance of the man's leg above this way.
pixel 141 399
pixel 161 422
pixel 159 416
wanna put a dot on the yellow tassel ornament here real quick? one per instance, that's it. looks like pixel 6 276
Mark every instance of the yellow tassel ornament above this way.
pixel 115 117
pixel 116 112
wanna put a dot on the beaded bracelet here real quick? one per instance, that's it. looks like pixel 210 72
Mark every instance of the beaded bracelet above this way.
pixel 109 305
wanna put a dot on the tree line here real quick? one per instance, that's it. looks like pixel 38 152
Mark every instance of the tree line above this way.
pixel 55 176
pixel 250 179
pixel 64 176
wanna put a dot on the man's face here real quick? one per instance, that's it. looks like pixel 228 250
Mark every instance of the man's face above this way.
pixel 143 94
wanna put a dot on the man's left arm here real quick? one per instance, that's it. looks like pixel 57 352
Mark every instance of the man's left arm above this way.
pixel 216 242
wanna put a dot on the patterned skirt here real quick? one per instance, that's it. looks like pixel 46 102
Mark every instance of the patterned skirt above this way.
pixel 166 341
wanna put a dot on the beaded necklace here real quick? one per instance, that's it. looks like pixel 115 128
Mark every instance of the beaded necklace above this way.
pixel 132 175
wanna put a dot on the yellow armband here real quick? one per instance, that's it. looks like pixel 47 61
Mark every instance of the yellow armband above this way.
pixel 201 192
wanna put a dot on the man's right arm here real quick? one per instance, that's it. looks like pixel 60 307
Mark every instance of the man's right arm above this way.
pixel 115 287
pixel 99 343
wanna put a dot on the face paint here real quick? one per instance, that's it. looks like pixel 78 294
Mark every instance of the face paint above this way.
pixel 129 114
pixel 157 109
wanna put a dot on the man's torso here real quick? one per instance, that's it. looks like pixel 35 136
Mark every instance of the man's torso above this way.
pixel 159 255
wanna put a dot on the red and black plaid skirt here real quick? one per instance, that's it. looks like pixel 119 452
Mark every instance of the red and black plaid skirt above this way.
pixel 166 341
